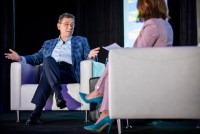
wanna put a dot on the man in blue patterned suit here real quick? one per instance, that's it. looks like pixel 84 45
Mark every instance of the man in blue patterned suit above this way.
pixel 61 59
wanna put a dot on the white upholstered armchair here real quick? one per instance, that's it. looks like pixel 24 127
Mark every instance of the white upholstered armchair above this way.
pixel 23 84
pixel 154 83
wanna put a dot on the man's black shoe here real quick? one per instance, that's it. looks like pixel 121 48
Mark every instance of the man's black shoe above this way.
pixel 33 122
pixel 34 119
pixel 61 103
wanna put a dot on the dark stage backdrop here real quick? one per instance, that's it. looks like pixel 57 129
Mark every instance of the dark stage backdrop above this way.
pixel 184 22
pixel 7 40
pixel 33 21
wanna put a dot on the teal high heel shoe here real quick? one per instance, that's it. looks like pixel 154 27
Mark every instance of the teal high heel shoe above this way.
pixel 97 100
pixel 101 125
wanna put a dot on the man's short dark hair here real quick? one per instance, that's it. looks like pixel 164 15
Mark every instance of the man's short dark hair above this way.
pixel 66 15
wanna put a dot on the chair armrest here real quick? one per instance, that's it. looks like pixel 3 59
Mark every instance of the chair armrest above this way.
pixel 24 73
pixel 89 69
pixel 21 73
pixel 97 69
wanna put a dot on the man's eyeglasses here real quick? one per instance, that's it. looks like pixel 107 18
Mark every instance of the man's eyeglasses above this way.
pixel 67 25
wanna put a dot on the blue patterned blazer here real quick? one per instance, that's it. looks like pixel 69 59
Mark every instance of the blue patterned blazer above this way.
pixel 79 47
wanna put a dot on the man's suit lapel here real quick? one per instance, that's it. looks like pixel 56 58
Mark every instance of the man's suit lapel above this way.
pixel 52 45
pixel 73 49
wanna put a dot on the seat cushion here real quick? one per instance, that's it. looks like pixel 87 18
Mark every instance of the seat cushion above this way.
pixel 70 91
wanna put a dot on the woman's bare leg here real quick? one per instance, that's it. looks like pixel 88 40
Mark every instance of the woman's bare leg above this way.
pixel 100 86
pixel 102 115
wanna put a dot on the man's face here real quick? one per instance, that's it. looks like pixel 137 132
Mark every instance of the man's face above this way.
pixel 66 27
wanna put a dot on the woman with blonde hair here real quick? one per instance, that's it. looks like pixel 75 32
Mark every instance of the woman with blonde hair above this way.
pixel 156 32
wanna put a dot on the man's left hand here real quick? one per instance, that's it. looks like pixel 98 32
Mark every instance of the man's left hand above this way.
pixel 94 52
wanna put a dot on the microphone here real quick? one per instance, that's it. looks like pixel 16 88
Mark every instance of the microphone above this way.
pixel 63 42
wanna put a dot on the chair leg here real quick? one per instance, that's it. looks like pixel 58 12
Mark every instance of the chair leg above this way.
pixel 86 116
pixel 119 126
pixel 127 124
pixel 198 124
pixel 17 116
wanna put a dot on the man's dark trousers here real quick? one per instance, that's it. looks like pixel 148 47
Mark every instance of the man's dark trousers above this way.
pixel 52 75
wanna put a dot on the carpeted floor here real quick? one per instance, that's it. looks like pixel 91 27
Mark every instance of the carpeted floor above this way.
pixel 72 122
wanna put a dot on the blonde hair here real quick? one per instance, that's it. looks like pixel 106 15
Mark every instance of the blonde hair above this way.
pixel 152 9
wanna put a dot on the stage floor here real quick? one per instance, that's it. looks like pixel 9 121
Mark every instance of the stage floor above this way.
pixel 72 122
